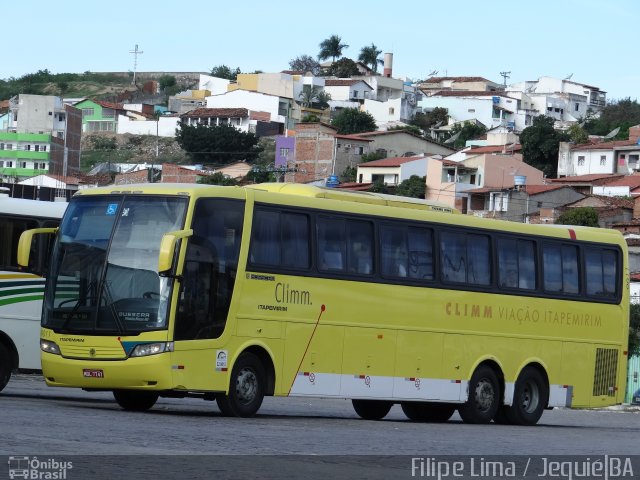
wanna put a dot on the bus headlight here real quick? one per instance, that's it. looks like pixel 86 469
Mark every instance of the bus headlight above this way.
pixel 146 349
pixel 49 346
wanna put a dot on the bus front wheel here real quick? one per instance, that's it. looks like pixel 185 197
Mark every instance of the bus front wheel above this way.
pixel 135 400
pixel 5 366
pixel 530 398
pixel 484 397
pixel 427 411
pixel 246 387
pixel 372 409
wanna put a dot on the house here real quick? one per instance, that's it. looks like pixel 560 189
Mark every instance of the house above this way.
pixel 562 99
pixel 272 109
pixel 52 181
pixel 491 174
pixel 188 100
pixel 161 126
pixel 346 93
pixel 473 84
pixel 611 210
pixel 521 203
pixel 392 171
pixel 621 156
pixel 41 135
pixel 586 183
pixel 235 117
pixel 314 154
pixel 99 116
pixel 400 143
pixel 491 108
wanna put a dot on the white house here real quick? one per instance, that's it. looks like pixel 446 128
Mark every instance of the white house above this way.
pixel 392 171
pixel 275 106
pixel 52 181
pixel 164 126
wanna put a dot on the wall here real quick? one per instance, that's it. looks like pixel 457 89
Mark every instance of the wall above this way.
pixel 249 100
pixel 398 143
pixel 33 113
pixel 384 112
pixel 591 162
pixel 314 153
pixel 166 126
pixel 285 143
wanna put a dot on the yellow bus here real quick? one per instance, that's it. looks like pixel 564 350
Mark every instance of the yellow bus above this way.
pixel 234 293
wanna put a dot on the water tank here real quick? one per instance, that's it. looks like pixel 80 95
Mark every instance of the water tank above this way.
pixel 332 181
pixel 519 180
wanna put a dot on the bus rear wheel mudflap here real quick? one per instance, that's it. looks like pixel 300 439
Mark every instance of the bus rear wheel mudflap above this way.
pixel 372 409
pixel 136 400
pixel 530 398
pixel 247 386
pixel 429 412
pixel 484 396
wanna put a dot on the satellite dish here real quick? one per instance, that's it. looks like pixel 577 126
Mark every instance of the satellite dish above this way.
pixel 435 72
pixel 612 133
pixel 453 138
pixel 568 77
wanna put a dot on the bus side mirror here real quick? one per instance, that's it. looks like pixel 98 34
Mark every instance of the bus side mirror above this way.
pixel 24 244
pixel 168 248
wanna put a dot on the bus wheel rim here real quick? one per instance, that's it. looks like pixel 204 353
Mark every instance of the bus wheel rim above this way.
pixel 530 397
pixel 246 386
pixel 484 395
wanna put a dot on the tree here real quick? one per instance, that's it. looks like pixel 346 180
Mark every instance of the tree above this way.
pixel 221 144
pixel 622 113
pixel 349 174
pixel 467 131
pixel 407 128
pixel 586 216
pixel 314 96
pixel 352 120
pixel 370 157
pixel 414 186
pixel 343 68
pixel 166 81
pixel 577 134
pixel 331 48
pixel 217 178
pixel 540 145
pixel 427 120
pixel 222 71
pixel 369 56
pixel 305 63
pixel 263 169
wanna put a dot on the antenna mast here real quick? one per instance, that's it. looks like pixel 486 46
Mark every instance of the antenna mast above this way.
pixel 135 52
pixel 505 75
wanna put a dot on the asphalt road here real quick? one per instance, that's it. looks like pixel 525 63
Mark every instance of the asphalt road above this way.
pixel 292 436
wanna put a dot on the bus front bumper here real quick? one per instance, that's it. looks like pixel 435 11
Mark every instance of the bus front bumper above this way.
pixel 148 373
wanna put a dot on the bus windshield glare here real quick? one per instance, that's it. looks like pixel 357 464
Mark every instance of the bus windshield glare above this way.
pixel 104 274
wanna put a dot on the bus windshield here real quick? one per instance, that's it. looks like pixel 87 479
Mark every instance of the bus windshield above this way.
pixel 104 271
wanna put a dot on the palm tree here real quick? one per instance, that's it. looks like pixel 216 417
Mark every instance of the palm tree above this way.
pixel 369 56
pixel 331 47
pixel 309 94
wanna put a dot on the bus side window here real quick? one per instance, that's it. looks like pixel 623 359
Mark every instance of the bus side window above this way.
pixel 331 244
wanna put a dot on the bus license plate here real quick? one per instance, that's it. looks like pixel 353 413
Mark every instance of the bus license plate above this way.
pixel 88 372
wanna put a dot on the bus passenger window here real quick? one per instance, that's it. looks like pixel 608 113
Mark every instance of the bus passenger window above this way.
pixel 516 264
pixel 560 265
pixel 420 242
pixel 360 247
pixel 601 272
pixel 331 244
pixel 393 251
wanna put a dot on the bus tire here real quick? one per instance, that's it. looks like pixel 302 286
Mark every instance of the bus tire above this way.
pixel 530 398
pixel 372 409
pixel 427 411
pixel 484 397
pixel 135 400
pixel 6 366
pixel 247 386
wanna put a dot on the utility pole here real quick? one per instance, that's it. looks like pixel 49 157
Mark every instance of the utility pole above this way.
pixel 135 52
pixel 504 75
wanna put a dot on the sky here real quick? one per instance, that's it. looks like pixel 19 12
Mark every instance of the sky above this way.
pixel 593 41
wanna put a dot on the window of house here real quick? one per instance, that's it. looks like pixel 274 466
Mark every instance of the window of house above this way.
pixel 23 164
pixel 603 159
pixel 284 152
pixel 27 147
pixel 37 148
pixel 466 258
pixel 1 146
pixel 577 107
pixel 108 113
pixel 472 110
pixel 87 112
pixel 43 166
pixel 549 109
pixel 359 150
pixel 391 110
pixel 580 160
pixel 1 163
pixel 9 164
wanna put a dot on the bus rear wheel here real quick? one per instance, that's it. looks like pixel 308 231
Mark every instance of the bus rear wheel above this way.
pixel 484 396
pixel 530 398
pixel 427 411
pixel 372 409
pixel 246 388
pixel 135 400
pixel 5 366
